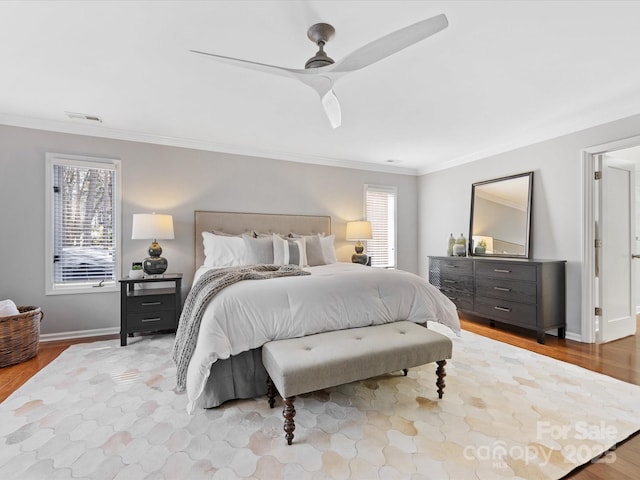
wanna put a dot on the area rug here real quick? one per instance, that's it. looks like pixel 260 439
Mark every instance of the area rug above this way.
pixel 105 411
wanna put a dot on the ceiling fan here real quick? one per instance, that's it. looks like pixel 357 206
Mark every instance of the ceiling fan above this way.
pixel 321 72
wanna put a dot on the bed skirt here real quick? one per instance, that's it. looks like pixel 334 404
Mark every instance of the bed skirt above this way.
pixel 239 376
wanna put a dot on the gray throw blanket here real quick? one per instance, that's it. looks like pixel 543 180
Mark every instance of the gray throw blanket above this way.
pixel 207 286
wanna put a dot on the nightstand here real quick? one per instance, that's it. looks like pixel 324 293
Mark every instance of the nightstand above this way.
pixel 149 309
pixel 361 258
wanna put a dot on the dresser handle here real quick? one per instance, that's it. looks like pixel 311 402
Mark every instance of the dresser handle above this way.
pixel 451 265
pixel 502 289
pixel 502 309
pixel 156 319
pixel 148 304
pixel 450 281
pixel 499 270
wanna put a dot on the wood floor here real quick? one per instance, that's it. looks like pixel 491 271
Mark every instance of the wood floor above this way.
pixel 619 359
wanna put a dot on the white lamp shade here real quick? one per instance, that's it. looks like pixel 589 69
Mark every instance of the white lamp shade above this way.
pixel 359 231
pixel 150 226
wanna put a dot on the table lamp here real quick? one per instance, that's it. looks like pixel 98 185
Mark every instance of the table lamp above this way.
pixel 150 226
pixel 358 231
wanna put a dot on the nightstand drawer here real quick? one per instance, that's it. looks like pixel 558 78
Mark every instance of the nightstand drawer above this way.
pixel 509 270
pixel 159 320
pixel 147 303
pixel 506 311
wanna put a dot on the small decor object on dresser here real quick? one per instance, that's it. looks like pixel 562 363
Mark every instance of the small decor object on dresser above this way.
pixel 481 248
pixel 452 242
pixel 460 247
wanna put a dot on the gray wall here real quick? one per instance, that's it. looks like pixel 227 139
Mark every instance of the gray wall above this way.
pixel 444 201
pixel 169 180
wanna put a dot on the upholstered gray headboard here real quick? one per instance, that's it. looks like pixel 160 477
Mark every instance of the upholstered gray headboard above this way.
pixel 238 223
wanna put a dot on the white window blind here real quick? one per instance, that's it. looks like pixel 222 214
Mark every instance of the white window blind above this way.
pixel 380 206
pixel 83 228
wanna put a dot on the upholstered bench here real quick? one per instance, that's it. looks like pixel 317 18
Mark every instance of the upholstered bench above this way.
pixel 306 364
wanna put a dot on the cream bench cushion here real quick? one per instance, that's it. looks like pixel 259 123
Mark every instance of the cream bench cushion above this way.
pixel 306 364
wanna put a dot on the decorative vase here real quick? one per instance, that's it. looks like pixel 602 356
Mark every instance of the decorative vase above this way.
pixel 460 247
pixel 452 242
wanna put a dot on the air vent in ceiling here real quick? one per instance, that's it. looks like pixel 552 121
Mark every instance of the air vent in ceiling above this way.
pixel 84 116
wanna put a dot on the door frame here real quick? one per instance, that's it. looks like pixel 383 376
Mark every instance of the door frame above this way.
pixel 589 295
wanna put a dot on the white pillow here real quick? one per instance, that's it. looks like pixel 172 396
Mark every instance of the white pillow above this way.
pixel 302 249
pixel 8 308
pixel 280 250
pixel 223 251
pixel 328 248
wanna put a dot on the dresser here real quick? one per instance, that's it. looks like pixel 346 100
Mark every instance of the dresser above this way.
pixel 526 293
pixel 149 309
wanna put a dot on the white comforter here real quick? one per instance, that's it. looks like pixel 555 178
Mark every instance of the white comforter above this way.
pixel 248 314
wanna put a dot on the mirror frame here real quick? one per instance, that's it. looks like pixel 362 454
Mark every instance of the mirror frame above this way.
pixel 527 252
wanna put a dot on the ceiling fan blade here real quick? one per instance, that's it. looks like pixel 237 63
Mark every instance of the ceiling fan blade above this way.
pixel 390 44
pixel 332 108
pixel 261 67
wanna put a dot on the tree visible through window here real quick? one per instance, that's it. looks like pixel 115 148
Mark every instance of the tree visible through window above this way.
pixel 83 203
pixel 380 206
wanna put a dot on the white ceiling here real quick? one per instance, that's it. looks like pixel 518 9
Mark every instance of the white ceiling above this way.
pixel 502 75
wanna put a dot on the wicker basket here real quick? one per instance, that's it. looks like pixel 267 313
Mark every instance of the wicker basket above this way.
pixel 20 336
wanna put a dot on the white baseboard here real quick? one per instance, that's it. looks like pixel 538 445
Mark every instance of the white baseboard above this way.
pixel 573 336
pixel 568 335
pixel 97 332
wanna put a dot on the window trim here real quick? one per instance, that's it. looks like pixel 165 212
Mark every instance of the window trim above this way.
pixel 52 159
pixel 394 191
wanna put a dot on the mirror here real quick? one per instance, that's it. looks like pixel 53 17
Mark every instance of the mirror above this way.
pixel 501 216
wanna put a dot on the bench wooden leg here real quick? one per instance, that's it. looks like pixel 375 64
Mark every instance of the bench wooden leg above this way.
pixel 288 413
pixel 271 392
pixel 440 374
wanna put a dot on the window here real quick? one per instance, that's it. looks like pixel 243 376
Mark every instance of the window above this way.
pixel 83 208
pixel 380 210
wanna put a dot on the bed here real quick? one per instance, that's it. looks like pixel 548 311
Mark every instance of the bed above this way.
pixel 226 362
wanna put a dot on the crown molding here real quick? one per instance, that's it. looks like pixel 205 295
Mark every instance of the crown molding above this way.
pixel 77 128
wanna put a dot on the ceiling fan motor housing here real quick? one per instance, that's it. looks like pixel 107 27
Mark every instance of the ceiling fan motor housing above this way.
pixel 320 34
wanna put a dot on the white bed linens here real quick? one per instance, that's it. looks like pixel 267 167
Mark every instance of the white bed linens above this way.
pixel 248 314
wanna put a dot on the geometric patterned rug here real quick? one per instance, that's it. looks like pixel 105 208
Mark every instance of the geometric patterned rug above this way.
pixel 103 411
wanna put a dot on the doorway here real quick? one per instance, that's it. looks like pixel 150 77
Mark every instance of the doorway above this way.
pixel 611 240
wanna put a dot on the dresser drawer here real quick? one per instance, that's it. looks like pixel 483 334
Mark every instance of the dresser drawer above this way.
pixel 515 291
pixel 464 283
pixel 505 311
pixel 506 270
pixel 454 268
pixel 148 303
pixel 462 300
pixel 150 321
